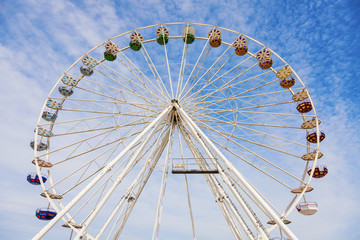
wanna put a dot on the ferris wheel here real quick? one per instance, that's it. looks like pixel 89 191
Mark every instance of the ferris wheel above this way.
pixel 177 104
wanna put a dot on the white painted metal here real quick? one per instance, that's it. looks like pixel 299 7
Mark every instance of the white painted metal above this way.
pixel 119 179
pixel 144 98
pixel 187 185
pixel 191 126
pixel 165 173
pixel 108 168
pixel 157 154
pixel 216 188
pixel 230 166
pixel 149 161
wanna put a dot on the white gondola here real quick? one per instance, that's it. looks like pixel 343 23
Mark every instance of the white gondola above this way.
pixel 307 208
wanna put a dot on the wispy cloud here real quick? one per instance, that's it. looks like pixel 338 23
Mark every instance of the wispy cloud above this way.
pixel 41 39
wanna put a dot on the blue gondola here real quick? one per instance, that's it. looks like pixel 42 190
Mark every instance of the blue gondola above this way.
pixel 86 71
pixel 45 213
pixel 34 179
pixel 48 116
pixel 40 146
pixel 63 90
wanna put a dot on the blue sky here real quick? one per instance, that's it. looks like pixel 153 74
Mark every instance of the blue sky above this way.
pixel 320 39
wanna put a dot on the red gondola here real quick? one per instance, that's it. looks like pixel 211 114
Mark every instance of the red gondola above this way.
pixel 304 107
pixel 312 137
pixel 319 172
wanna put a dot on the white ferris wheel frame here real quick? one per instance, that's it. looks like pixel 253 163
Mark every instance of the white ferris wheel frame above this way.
pixel 197 134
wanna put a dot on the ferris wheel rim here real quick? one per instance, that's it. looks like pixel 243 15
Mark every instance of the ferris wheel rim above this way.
pixel 152 40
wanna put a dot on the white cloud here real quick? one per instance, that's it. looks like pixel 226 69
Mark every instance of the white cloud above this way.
pixel 41 39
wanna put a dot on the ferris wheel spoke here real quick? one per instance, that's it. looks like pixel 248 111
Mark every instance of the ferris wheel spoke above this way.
pixel 154 71
pixel 163 186
pixel 168 70
pixel 276 119
pixel 208 71
pixel 134 160
pixel 82 181
pixel 241 85
pixel 186 182
pixel 205 126
pixel 229 84
pixel 262 98
pixel 211 103
pixel 71 155
pixel 141 86
pixel 86 166
pixel 142 185
pixel 93 107
pixel 266 94
pixel 89 126
pixel 134 114
pixel 98 89
pixel 100 86
pixel 248 187
pixel 80 102
pixel 271 136
pixel 131 195
pixel 112 149
pixel 214 116
pixel 246 116
pixel 120 140
pixel 79 120
pixel 227 210
pixel 259 168
pixel 278 114
pixel 182 68
pixel 219 193
pixel 200 139
pixel 247 208
pixel 115 116
pixel 235 123
pixel 251 197
pixel 202 57
pixel 265 105
pixel 133 123
pixel 115 91
pixel 143 106
pixel 229 138
pixel 72 144
pixel 101 174
pixel 83 131
pixel 102 187
pixel 222 86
